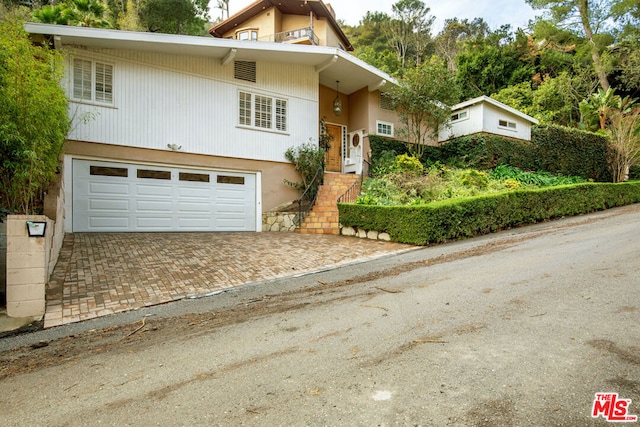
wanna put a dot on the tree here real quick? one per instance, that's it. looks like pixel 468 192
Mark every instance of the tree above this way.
pixel 588 15
pixel 598 108
pixel 33 117
pixel 80 13
pixel 450 40
pixel 625 143
pixel 423 100
pixel 488 64
pixel 410 30
pixel 174 16
pixel 86 13
pixel 370 40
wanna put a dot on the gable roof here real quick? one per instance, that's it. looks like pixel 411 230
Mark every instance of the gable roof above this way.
pixel 498 104
pixel 287 7
pixel 331 63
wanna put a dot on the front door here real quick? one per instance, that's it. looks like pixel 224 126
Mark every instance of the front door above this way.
pixel 333 157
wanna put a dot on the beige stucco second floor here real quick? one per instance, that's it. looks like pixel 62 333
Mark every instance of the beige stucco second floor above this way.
pixel 285 21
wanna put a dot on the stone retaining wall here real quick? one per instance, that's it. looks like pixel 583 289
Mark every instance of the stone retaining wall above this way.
pixel 279 221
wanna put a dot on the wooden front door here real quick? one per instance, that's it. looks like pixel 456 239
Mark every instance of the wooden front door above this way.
pixel 333 156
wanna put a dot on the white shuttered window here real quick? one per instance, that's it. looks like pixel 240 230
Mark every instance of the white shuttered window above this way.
pixel 262 112
pixel 92 81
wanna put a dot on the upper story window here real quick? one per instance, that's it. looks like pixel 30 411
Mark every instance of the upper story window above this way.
pixel 460 115
pixel 507 124
pixel 262 112
pixel 92 81
pixel 384 128
pixel 251 35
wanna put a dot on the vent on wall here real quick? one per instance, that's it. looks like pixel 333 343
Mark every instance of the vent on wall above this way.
pixel 245 70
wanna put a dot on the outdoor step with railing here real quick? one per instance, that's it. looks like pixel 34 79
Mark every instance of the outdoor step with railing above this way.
pixel 323 217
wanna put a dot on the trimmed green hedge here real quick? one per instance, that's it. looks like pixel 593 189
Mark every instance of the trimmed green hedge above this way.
pixel 565 151
pixel 460 218
pixel 555 149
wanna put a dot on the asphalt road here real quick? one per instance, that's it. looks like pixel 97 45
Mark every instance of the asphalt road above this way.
pixel 519 328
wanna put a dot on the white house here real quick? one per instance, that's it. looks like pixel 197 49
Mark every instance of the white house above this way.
pixel 484 114
pixel 179 133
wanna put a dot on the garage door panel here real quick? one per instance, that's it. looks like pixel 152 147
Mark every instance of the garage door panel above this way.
pixel 113 205
pixel 158 206
pixel 110 196
pixel 109 188
pixel 205 192
pixel 152 223
pixel 189 207
pixel 108 223
pixel 154 190
pixel 202 223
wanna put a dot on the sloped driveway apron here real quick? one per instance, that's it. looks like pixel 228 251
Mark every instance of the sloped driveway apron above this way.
pixel 98 274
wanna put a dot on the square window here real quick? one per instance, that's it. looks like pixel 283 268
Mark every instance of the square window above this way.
pixel 384 128
pixel 262 112
pixel 92 81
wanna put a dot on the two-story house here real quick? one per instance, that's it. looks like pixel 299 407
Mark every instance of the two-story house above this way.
pixel 180 133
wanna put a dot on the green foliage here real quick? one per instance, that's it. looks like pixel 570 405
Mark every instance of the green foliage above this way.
pixel 555 149
pixel 423 101
pixel 462 218
pixel 487 65
pixel 308 161
pixel 568 152
pixel 438 182
pixel 408 164
pixel 409 32
pixel 538 179
pixel 187 17
pixel 34 120
pixel 80 13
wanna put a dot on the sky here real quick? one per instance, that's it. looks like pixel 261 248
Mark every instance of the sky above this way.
pixel 495 12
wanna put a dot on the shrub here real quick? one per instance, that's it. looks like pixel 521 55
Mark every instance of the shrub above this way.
pixel 460 218
pixel 408 164
pixel 308 161
pixel 555 149
pixel 34 121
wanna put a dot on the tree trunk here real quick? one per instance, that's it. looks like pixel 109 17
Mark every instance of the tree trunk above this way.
pixel 583 7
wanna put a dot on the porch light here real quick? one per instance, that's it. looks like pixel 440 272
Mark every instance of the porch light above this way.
pixel 337 103
pixel 36 228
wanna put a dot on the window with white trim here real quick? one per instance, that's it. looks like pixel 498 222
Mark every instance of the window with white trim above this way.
pixel 263 112
pixel 251 35
pixel 507 124
pixel 460 115
pixel 384 128
pixel 92 81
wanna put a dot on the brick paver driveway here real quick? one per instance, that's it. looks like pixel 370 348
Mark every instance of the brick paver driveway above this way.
pixel 104 273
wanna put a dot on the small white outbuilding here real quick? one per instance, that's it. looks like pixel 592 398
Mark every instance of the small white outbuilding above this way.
pixel 486 115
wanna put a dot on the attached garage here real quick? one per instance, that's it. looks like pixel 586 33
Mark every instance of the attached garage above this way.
pixel 120 197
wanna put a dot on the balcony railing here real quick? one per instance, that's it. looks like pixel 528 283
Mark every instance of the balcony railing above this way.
pixel 300 35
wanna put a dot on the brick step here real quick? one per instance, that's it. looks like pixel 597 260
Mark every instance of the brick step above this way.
pixel 324 216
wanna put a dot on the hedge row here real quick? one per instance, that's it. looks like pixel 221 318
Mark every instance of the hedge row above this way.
pixel 555 149
pixel 460 218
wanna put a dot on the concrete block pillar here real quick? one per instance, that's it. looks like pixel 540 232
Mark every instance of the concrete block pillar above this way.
pixel 27 266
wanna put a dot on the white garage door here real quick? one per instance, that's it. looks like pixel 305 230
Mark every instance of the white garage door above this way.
pixel 127 197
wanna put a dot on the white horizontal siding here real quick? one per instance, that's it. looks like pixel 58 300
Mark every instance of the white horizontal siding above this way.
pixel 192 102
pixel 492 116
